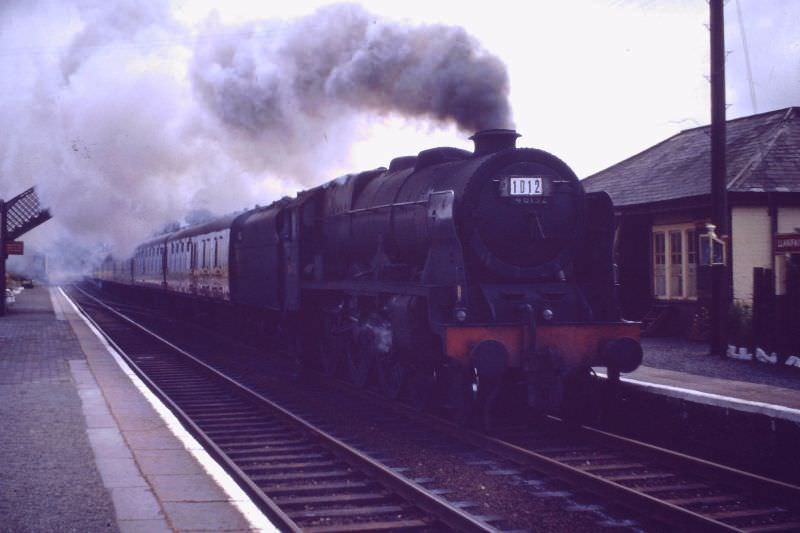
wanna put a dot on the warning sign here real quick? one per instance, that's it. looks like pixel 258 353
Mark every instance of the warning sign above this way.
pixel 15 248
pixel 787 243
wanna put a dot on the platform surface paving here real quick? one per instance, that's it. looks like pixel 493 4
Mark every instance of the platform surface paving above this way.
pixel 679 368
pixel 81 449
pixel 48 477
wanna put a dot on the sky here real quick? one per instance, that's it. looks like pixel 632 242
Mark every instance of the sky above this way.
pixel 129 115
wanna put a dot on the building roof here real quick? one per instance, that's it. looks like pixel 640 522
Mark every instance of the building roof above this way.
pixel 763 155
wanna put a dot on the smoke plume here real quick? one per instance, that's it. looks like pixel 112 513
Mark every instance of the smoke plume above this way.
pixel 125 120
pixel 291 82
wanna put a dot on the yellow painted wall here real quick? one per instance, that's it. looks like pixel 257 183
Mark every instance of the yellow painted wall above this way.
pixel 788 219
pixel 752 247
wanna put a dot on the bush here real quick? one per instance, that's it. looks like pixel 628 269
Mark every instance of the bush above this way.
pixel 740 324
pixel 701 325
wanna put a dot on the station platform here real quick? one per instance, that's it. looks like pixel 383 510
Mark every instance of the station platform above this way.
pixel 86 447
pixel 685 370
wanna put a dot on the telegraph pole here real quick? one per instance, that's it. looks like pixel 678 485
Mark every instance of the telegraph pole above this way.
pixel 719 191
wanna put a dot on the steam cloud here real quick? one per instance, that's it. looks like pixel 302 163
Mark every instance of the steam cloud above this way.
pixel 125 122
pixel 342 60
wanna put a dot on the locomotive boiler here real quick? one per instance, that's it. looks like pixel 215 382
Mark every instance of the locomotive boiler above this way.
pixel 479 281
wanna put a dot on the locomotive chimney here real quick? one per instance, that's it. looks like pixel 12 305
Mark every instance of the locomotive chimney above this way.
pixel 490 141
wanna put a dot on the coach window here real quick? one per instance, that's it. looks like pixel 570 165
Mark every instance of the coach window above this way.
pixel 224 246
pixel 675 262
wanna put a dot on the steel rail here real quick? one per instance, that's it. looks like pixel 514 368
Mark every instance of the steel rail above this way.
pixel 276 515
pixel 779 492
pixel 749 484
pixel 432 504
pixel 754 484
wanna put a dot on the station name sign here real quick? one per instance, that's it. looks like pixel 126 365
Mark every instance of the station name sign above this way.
pixel 15 248
pixel 787 243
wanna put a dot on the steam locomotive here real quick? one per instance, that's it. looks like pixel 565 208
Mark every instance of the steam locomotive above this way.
pixel 480 281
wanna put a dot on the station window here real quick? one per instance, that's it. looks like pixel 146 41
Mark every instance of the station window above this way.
pixel 216 252
pixel 675 262
pixel 691 262
pixel 659 264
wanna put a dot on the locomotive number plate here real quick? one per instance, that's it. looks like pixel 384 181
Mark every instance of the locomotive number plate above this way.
pixel 522 186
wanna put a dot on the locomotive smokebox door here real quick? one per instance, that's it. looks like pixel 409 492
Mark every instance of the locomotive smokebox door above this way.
pixel 519 186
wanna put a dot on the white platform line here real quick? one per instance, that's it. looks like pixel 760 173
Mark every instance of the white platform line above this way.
pixel 777 411
pixel 258 521
pixel 58 306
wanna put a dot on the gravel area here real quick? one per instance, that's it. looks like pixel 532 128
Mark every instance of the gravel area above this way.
pixel 693 358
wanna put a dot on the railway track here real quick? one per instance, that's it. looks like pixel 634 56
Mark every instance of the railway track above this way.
pixel 669 487
pixel 675 489
pixel 303 478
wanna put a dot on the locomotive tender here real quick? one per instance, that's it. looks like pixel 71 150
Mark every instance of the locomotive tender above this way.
pixel 483 280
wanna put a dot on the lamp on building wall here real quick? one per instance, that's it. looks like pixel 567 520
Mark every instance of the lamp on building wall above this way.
pixel 712 248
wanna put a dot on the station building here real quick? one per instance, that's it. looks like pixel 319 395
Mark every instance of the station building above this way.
pixel 662 203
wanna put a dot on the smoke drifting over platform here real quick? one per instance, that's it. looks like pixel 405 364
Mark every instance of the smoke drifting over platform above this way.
pixel 126 120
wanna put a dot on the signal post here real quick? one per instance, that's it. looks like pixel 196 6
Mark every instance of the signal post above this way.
pixel 3 257
pixel 17 216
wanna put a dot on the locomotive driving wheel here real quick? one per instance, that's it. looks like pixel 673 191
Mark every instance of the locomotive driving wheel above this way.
pixel 485 402
pixel 370 349
pixel 330 360
pixel 421 381
pixel 333 345
pixel 391 373
pixel 462 393
pixel 503 405
pixel 579 403
pixel 360 358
